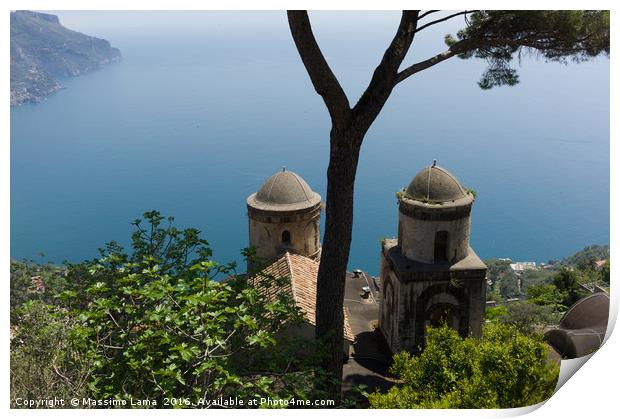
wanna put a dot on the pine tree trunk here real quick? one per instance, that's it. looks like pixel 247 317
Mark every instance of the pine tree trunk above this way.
pixel 344 154
pixel 349 125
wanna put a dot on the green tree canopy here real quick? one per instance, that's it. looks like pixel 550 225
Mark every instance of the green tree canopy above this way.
pixel 605 272
pixel 29 281
pixel 567 282
pixel 585 258
pixel 547 295
pixel 527 317
pixel 509 285
pixel 497 36
pixel 504 369
pixel 162 322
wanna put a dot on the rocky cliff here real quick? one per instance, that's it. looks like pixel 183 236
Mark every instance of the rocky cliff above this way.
pixel 43 51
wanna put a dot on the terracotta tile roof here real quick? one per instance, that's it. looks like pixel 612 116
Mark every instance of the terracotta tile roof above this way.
pixel 302 273
pixel 277 270
pixel 38 284
pixel 600 263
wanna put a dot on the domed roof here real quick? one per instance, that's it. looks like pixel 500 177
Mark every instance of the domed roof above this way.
pixel 583 327
pixel 284 190
pixel 435 184
pixel 590 312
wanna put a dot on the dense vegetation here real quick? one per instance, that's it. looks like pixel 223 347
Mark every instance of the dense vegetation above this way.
pixel 505 368
pixel 162 323
pixel 586 258
pixel 35 282
pixel 533 298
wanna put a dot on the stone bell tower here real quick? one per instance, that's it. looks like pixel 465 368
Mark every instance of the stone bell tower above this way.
pixel 284 215
pixel 431 275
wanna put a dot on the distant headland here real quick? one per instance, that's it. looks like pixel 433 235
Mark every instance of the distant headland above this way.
pixel 43 51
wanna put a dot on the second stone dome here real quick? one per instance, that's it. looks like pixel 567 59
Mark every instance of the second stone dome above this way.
pixel 284 190
pixel 434 184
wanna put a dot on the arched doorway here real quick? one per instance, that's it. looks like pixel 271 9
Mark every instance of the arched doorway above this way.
pixel 439 304
pixel 441 314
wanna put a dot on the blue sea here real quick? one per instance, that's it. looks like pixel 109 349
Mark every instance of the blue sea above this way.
pixel 205 106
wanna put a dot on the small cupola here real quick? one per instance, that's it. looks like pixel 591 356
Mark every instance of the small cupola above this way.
pixel 284 216
pixel 434 220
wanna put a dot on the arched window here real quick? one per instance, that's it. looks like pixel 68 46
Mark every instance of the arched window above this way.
pixel 441 246
pixel 286 237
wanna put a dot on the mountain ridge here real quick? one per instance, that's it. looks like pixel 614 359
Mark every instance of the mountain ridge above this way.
pixel 43 51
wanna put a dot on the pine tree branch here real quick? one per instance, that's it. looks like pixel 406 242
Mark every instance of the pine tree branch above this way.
pixel 423 65
pixel 428 12
pixel 467 45
pixel 456 49
pixel 434 22
pixel 385 75
pixel 323 79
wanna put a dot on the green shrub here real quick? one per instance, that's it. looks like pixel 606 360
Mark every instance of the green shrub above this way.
pixel 504 369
